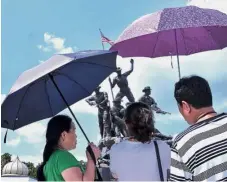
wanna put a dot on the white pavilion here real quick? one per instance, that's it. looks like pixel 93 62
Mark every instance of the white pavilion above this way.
pixel 15 171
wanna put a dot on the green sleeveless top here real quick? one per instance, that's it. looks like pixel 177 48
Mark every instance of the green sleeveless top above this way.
pixel 59 161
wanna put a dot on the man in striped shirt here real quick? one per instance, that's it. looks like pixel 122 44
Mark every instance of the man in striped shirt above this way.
pixel 200 152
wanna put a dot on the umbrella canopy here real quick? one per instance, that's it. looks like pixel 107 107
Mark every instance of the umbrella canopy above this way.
pixel 174 31
pixel 34 95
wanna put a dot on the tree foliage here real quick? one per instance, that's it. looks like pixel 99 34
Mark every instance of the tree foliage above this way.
pixel 31 169
pixel 5 158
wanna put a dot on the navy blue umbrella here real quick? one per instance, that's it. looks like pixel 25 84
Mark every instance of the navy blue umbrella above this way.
pixel 54 85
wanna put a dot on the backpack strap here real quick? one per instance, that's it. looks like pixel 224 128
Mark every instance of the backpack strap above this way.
pixel 159 161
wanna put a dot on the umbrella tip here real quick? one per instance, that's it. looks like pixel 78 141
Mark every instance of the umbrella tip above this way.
pixel 5 136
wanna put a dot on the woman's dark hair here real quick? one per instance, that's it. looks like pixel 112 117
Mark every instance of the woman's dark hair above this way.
pixel 140 121
pixel 55 127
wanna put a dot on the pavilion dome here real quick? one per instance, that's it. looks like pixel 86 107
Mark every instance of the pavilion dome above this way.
pixel 15 168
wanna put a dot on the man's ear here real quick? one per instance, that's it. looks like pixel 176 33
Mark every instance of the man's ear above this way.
pixel 186 107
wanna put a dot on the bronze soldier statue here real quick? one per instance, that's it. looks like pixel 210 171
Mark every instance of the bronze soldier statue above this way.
pixel 122 83
pixel 147 99
pixel 123 109
pixel 117 119
pixel 100 99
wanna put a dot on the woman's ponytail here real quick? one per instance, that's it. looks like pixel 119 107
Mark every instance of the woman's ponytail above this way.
pixel 48 150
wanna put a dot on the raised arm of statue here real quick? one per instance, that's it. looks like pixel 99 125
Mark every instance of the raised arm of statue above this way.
pixel 131 70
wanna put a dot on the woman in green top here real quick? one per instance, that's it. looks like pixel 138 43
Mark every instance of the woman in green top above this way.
pixel 59 164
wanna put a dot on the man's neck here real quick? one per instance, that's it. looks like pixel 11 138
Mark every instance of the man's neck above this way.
pixel 205 113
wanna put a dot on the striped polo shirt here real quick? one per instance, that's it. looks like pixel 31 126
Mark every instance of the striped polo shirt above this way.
pixel 200 152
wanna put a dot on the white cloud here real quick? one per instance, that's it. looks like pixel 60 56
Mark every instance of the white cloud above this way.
pixel 14 142
pixel 3 96
pixel 44 49
pixel 33 133
pixel 53 43
pixel 220 5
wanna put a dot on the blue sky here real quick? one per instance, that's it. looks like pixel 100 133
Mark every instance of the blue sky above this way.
pixel 32 31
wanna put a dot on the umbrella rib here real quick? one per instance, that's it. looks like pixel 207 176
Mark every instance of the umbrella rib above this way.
pixel 21 104
pixel 209 31
pixel 74 81
pixel 155 44
pixel 96 64
pixel 181 30
pixel 48 97
pixel 211 36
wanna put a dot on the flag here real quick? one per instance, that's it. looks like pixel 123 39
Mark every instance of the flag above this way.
pixel 105 39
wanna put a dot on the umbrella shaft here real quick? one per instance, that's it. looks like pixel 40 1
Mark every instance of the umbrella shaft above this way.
pixel 63 98
pixel 89 149
pixel 178 63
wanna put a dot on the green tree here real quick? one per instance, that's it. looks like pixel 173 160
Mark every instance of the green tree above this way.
pixel 31 169
pixel 5 158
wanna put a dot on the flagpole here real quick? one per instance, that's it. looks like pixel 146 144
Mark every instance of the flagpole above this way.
pixel 109 77
pixel 102 41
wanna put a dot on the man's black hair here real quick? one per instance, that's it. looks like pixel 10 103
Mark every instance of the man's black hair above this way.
pixel 194 90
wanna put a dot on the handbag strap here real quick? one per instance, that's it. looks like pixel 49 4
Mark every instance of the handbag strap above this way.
pixel 159 161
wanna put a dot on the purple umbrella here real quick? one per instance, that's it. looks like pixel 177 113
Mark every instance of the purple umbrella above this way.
pixel 174 31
